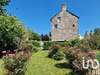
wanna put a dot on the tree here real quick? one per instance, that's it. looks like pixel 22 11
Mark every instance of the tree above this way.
pixel 45 37
pixel 97 32
pixel 3 3
pixel 12 32
pixel 34 36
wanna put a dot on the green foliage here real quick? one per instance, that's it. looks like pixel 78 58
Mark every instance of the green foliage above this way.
pixel 3 3
pixel 34 42
pixel 34 36
pixel 27 47
pixel 12 33
pixel 47 45
pixel 75 40
pixel 54 49
pixel 55 52
pixel 97 31
pixel 94 42
pixel 16 64
pixel 63 44
pixel 75 57
pixel 98 57
pixel 83 46
pixel 36 49
pixel 59 56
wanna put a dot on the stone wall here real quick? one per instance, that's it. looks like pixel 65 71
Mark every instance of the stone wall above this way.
pixel 67 29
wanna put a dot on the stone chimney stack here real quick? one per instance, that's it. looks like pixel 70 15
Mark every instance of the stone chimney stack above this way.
pixel 64 7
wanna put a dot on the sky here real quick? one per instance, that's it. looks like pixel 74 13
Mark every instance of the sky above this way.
pixel 37 13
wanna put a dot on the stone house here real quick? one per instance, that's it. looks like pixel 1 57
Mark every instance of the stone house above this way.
pixel 64 25
pixel 88 34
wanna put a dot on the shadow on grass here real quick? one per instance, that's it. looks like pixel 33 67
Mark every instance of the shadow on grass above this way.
pixel 71 73
pixel 63 65
pixel 66 66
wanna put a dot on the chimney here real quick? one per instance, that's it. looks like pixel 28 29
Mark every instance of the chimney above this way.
pixel 64 7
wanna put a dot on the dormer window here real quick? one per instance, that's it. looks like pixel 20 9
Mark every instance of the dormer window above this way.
pixel 55 26
pixel 59 19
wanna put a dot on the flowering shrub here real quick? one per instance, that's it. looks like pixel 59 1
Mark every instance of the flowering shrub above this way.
pixel 75 57
pixel 16 64
pixel 55 52
pixel 54 49
pixel 27 47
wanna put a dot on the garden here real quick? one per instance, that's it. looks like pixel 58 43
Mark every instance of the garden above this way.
pixel 21 52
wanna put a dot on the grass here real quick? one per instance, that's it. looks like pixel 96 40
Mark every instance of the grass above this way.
pixel 42 65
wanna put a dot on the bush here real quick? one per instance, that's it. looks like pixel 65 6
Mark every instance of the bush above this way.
pixel 59 56
pixel 55 52
pixel 94 42
pixel 63 44
pixel 47 45
pixel 34 42
pixel 12 33
pixel 75 57
pixel 98 57
pixel 54 49
pixel 34 36
pixel 36 49
pixel 26 47
pixel 75 40
pixel 83 46
pixel 16 64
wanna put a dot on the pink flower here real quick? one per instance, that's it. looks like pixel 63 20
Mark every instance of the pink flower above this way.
pixel 15 50
pixel 17 69
pixel 3 67
pixel 94 63
pixel 21 52
pixel 85 57
pixel 84 54
pixel 11 72
pixel 31 59
pixel 80 64
pixel 92 53
pixel 77 66
pixel 10 55
pixel 73 62
pixel 89 66
pixel 3 52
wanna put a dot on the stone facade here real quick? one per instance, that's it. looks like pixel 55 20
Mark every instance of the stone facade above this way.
pixel 64 25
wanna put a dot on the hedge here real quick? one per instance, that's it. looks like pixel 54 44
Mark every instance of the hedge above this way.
pixel 34 42
pixel 47 44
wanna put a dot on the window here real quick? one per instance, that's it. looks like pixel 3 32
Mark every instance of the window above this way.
pixel 55 26
pixel 59 19
pixel 73 25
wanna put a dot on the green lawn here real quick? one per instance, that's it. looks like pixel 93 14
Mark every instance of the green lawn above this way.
pixel 42 65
